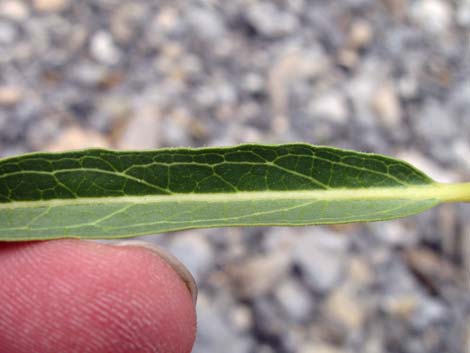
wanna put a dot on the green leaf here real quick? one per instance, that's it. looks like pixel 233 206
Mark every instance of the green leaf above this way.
pixel 106 194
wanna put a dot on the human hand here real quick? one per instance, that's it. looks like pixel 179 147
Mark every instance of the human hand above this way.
pixel 77 296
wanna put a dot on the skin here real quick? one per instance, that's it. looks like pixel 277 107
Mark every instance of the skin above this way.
pixel 77 296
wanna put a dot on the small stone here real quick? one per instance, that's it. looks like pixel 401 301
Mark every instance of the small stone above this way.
pixel 345 307
pixel 103 48
pixel 396 234
pixel 321 257
pixel 142 130
pixel 295 300
pixel 42 131
pixel 259 275
pixel 360 272
pixel 281 239
pixel 294 65
pixel 397 8
pixel 267 349
pixel 467 337
pixel 407 87
pixel 14 10
pixel 401 306
pixel 207 24
pixel 432 15
pixel 460 150
pixel 10 96
pixel 194 252
pixel 168 19
pixel 316 347
pixel 280 125
pixel 348 58
pixel 331 106
pixel 387 105
pixel 271 21
pixel 89 74
pixel 434 270
pixel 126 20
pixel 50 5
pixel 111 114
pixel 242 318
pixel 362 87
pixel 463 18
pixel 428 166
pixel 429 312
pixel 253 83
pixel 360 34
pixel 76 138
pixel 215 331
pixel 175 128
pixel 265 312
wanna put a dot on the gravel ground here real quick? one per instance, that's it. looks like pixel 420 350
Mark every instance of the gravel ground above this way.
pixel 389 76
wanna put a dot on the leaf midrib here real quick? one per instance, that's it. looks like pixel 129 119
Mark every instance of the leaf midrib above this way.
pixel 442 192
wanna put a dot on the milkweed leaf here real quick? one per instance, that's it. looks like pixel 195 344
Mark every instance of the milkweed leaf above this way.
pixel 106 194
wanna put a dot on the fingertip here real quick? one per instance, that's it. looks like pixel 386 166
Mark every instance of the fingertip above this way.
pixel 67 295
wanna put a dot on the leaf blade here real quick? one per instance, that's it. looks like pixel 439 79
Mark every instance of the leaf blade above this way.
pixel 100 193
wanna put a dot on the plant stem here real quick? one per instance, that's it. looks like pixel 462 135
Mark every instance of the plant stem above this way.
pixel 458 192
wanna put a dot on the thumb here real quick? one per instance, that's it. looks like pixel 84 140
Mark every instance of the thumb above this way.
pixel 77 296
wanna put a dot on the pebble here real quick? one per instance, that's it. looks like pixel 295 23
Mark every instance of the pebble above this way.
pixel 344 305
pixel 433 15
pixel 127 19
pixel 295 300
pixel 429 311
pixel 142 130
pixel 207 24
pixel 360 271
pixel 387 105
pixel 50 5
pixel 76 138
pixel 103 48
pixel 258 275
pixel 397 8
pixel 463 13
pixel 348 58
pixel 10 96
pixel 331 106
pixel 291 67
pixel 318 347
pixel 361 88
pixel 428 166
pixel 167 19
pixel 360 34
pixel 253 83
pixel 460 149
pixel 194 251
pixel 14 10
pixel 8 33
pixel 242 318
pixel 111 115
pixel 395 234
pixel 89 74
pixel 214 331
pixel 432 269
pixel 269 20
pixel 321 257
pixel 175 130
pixel 401 306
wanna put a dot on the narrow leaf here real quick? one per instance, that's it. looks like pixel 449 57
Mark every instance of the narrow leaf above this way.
pixel 106 194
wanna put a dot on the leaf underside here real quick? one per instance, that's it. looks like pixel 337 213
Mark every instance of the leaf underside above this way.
pixel 105 194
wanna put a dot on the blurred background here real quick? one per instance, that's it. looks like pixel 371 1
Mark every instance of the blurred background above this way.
pixel 388 76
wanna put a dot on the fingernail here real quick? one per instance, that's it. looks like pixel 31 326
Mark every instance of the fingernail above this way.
pixel 175 264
